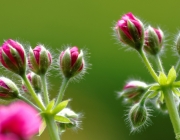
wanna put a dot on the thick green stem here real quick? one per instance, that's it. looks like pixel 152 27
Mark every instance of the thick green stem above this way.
pixel 29 102
pixel 33 94
pixel 173 112
pixel 148 65
pixel 52 128
pixel 159 63
pixel 45 90
pixel 62 90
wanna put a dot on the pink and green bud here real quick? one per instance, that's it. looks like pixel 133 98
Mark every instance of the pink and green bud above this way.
pixel 154 39
pixel 71 62
pixel 138 116
pixel 133 91
pixel 39 59
pixel 12 56
pixel 35 81
pixel 130 31
pixel 8 90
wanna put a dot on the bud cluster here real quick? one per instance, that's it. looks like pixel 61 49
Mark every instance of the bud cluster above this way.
pixel 131 31
pixel 33 68
pixel 164 93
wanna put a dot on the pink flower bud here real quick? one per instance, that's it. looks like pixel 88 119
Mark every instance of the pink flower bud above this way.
pixel 153 40
pixel 8 90
pixel 39 59
pixel 133 91
pixel 35 81
pixel 130 31
pixel 12 56
pixel 71 62
pixel 19 121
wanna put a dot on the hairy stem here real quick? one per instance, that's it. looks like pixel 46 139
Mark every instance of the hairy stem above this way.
pixel 62 90
pixel 159 63
pixel 52 128
pixel 45 90
pixel 28 101
pixel 32 92
pixel 173 112
pixel 148 65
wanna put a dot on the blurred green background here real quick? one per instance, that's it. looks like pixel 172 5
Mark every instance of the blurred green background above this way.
pixel 88 24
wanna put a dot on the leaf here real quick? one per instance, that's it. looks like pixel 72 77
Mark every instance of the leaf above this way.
pixel 62 119
pixel 176 84
pixel 171 76
pixel 50 106
pixel 60 107
pixel 153 94
pixel 162 78
pixel 42 127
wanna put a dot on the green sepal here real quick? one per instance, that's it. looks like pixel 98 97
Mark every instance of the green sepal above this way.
pixel 42 127
pixel 60 106
pixel 50 106
pixel 44 61
pixel 153 94
pixel 162 79
pixel 171 76
pixel 62 119
pixel 155 88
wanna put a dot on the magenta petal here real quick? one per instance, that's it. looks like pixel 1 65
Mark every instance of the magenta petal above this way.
pixel 19 119
pixel 2 84
pixel 18 47
pixel 37 51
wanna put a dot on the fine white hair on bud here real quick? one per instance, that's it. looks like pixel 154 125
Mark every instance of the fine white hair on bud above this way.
pixel 138 117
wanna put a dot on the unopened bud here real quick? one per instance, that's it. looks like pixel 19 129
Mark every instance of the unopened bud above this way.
pixel 39 59
pixel 72 116
pixel 154 39
pixel 177 43
pixel 138 116
pixel 71 62
pixel 12 56
pixel 130 31
pixel 35 81
pixel 8 90
pixel 133 91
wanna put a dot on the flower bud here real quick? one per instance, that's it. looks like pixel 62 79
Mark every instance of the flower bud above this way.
pixel 72 116
pixel 12 56
pixel 71 62
pixel 153 40
pixel 35 81
pixel 133 91
pixel 39 59
pixel 177 43
pixel 130 31
pixel 138 116
pixel 8 90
